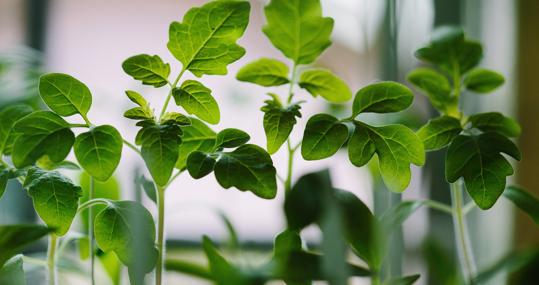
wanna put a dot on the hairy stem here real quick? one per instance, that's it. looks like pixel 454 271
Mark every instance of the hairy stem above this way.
pixel 160 234
pixel 91 231
pixel 169 96
pixel 461 234
pixel 51 254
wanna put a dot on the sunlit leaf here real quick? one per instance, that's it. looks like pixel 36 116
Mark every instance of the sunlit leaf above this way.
pixel 151 70
pixel 64 94
pixel 195 137
pixel 323 137
pixel 439 132
pixel 196 99
pixel 8 116
pixel 382 97
pixel 264 72
pixel 278 123
pixel 326 84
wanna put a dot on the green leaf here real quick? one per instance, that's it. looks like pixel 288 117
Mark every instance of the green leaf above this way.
pixel 136 98
pixel 397 147
pixel 64 94
pixel 127 229
pixel 41 133
pixel 148 186
pixel 14 238
pixel 200 164
pixel 439 132
pixel 524 201
pixel 382 97
pixel 196 99
pixel 326 84
pixel 99 151
pixel 205 42
pixel 195 137
pixel 265 72
pixel 323 137
pixel 13 272
pixel 151 70
pixel 55 198
pixel 8 116
pixel 394 217
pixel 482 80
pixel 366 240
pixel 451 51
pixel 230 138
pixel 495 122
pixel 45 163
pixel 248 168
pixel 433 84
pixel 478 159
pixel 160 150
pixel 4 177
pixel 138 113
pixel 510 263
pixel 222 271
pixel 407 280
pixel 173 118
pixel 278 123
pixel 297 28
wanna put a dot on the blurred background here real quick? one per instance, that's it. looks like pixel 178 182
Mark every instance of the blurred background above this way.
pixel 372 40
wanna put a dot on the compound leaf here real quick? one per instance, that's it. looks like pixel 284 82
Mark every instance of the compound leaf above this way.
pixel 248 168
pixel 151 70
pixel 127 229
pixel 326 84
pixel 482 80
pixel 382 97
pixel 205 42
pixel 439 132
pixel 478 159
pixel 278 123
pixel 99 151
pixel 297 29
pixel 41 133
pixel 196 99
pixel 323 137
pixel 55 198
pixel 397 147
pixel 160 150
pixel 495 122
pixel 195 137
pixel 8 116
pixel 230 138
pixel 265 72
pixel 64 94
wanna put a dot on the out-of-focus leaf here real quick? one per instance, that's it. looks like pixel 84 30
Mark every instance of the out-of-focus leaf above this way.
pixel 12 272
pixel 14 238
pixel 524 201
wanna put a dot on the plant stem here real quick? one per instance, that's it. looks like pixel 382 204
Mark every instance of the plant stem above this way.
pixel 91 231
pixel 131 146
pixel 288 181
pixel 53 239
pixel 292 82
pixel 91 203
pixel 375 280
pixel 160 234
pixel 172 86
pixel 79 125
pixel 461 234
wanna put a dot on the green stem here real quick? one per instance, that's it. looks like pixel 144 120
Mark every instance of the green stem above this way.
pixel 461 234
pixel 88 123
pixel 131 146
pixel 292 82
pixel 91 203
pixel 34 261
pixel 288 181
pixel 439 206
pixel 53 239
pixel 169 96
pixel 79 125
pixel 160 234
pixel 91 231
pixel 376 279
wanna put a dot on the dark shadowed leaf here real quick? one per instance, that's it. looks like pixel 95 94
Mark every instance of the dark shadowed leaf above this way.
pixel 524 200
pixel 200 164
pixel 265 72
pixel 495 122
pixel 323 137
pixel 12 272
pixel 195 137
pixel 433 84
pixel 230 138
pixel 478 159
pixel 297 28
pixel 8 116
pixel 509 263
pixel 278 123
pixel 205 42
pixel 14 238
pixel 151 70
pixel 407 280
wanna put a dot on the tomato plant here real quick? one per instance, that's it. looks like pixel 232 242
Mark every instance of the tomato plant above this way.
pixel 34 145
